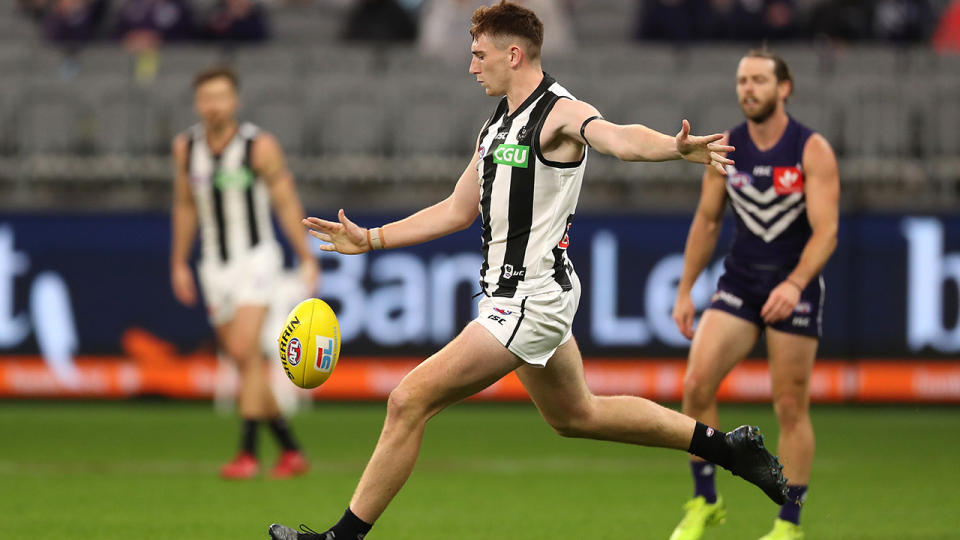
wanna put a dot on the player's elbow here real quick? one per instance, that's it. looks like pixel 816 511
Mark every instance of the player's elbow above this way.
pixel 183 204
pixel 464 223
pixel 461 218
pixel 708 221
pixel 828 234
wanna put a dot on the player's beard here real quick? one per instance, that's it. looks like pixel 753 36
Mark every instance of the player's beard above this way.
pixel 218 123
pixel 766 111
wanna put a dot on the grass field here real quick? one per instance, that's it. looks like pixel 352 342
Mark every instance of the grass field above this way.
pixel 147 470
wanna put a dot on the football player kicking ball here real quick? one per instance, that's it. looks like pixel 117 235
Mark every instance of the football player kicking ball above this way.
pixel 524 181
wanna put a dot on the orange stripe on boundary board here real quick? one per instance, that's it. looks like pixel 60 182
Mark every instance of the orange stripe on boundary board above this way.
pixel 374 378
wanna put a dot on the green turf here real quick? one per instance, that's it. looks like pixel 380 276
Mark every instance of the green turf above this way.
pixel 148 471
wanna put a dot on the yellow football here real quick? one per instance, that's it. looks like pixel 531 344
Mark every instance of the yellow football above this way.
pixel 310 343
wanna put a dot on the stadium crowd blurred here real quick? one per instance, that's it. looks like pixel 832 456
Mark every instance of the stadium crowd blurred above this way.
pixel 156 21
pixel 878 78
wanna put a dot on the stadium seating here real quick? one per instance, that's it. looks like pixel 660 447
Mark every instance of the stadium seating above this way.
pixel 363 107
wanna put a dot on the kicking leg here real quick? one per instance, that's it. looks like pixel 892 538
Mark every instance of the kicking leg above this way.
pixel 471 362
pixel 560 393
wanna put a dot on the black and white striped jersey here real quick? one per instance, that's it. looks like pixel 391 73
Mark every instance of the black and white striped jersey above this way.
pixel 233 204
pixel 527 202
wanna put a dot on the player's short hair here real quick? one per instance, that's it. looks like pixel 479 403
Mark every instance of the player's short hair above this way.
pixel 509 19
pixel 217 72
pixel 780 68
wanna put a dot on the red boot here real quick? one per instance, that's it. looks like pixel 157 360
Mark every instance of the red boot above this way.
pixel 290 463
pixel 242 467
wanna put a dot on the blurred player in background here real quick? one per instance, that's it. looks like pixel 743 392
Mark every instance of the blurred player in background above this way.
pixel 524 180
pixel 784 190
pixel 228 175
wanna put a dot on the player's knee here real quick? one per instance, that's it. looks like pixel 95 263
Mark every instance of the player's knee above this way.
pixel 698 392
pixel 245 354
pixel 574 421
pixel 790 409
pixel 404 404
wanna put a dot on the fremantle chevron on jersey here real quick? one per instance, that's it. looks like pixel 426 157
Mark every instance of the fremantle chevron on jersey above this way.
pixel 233 205
pixel 766 192
pixel 527 202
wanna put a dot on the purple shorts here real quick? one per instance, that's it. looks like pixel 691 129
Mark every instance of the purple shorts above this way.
pixel 742 290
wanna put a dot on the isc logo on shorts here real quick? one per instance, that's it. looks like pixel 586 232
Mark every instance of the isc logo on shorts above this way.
pixel 514 155
pixel 510 271
pixel 324 353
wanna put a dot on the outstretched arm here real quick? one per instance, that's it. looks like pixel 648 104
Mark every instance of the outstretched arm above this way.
pixel 450 215
pixel 636 142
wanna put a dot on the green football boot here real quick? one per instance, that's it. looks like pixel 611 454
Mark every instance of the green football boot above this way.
pixel 784 530
pixel 700 515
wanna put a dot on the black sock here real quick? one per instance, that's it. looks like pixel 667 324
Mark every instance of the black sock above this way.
pixel 248 437
pixel 709 444
pixel 283 434
pixel 350 527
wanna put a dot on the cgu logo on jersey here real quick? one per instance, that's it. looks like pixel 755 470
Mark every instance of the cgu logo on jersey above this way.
pixel 324 353
pixel 787 180
pixel 513 155
pixel 237 179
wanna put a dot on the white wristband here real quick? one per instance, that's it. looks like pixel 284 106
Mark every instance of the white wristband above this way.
pixel 373 238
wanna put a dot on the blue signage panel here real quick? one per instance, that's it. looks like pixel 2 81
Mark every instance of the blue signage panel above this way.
pixel 72 285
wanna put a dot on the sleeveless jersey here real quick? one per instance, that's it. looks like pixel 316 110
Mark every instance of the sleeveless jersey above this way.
pixel 767 196
pixel 233 205
pixel 527 202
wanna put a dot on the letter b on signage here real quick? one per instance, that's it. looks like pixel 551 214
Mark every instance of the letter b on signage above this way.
pixel 928 269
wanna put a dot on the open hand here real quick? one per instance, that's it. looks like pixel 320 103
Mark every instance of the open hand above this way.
pixel 344 237
pixel 703 149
